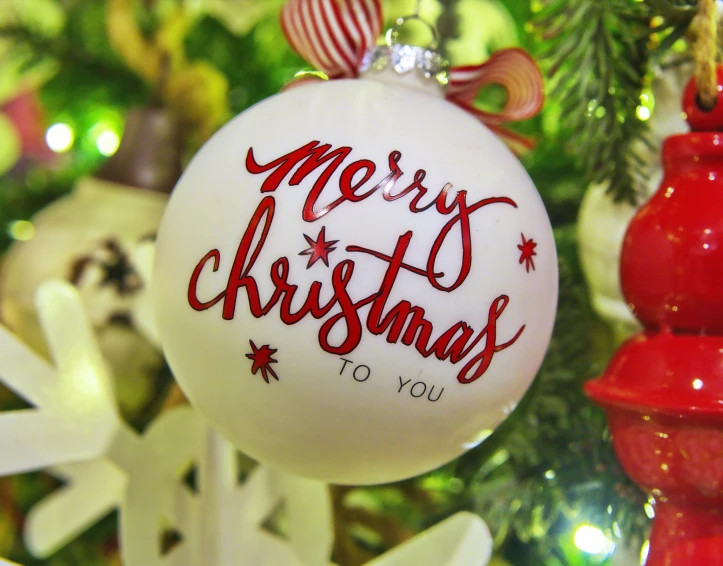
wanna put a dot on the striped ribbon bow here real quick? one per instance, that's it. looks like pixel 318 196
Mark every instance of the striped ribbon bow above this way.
pixel 334 35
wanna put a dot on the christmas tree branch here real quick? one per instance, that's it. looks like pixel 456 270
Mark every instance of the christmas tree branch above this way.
pixel 42 47
pixel 526 479
pixel 597 55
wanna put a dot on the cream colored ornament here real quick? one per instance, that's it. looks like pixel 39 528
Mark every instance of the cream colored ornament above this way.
pixel 601 226
pixel 602 223
pixel 90 238
pixel 355 280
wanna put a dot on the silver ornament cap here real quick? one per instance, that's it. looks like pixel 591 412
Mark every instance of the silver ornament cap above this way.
pixel 425 63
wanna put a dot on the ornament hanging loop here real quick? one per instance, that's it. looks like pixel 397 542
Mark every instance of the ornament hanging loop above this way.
pixel 392 36
pixel 705 54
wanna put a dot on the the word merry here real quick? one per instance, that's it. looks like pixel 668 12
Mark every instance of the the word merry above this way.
pixel 353 186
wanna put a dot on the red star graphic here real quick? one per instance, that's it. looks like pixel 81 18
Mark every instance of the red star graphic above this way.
pixel 262 361
pixel 320 248
pixel 528 252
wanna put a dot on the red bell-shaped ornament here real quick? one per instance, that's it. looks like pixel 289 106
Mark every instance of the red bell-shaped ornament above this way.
pixel 672 259
pixel 663 390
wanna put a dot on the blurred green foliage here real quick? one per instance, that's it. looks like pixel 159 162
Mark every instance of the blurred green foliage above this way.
pixel 550 467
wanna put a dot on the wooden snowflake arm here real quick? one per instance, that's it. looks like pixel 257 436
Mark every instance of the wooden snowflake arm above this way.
pixel 31 440
pixel 26 373
pixel 218 480
pixel 223 521
pixel 311 521
pixel 93 490
pixel 75 418
pixel 461 539
pixel 142 310
pixel 155 493
pixel 257 498
pixel 83 374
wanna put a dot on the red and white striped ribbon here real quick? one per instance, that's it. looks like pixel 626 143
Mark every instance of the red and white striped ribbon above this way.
pixel 334 35
pixel 520 76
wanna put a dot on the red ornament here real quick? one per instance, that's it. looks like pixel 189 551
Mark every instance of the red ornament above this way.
pixel 700 119
pixel 663 390
pixel 672 259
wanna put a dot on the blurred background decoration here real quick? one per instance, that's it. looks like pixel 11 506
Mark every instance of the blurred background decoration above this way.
pixel 102 102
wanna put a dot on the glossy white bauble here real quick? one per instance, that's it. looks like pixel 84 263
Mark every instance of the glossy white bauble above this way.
pixel 355 281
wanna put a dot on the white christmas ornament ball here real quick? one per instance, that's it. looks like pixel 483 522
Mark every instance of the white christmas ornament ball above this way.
pixel 355 281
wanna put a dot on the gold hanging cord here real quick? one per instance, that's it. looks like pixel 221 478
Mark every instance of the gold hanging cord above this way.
pixel 705 52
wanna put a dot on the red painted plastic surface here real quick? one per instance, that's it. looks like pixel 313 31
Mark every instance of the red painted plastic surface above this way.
pixel 675 374
pixel 671 267
pixel 699 118
pixel 663 397
pixel 663 391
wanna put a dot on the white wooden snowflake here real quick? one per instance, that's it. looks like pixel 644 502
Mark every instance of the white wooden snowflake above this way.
pixel 75 432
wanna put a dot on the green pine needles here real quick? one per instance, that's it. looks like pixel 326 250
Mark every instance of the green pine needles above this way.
pixel 597 54
pixel 550 467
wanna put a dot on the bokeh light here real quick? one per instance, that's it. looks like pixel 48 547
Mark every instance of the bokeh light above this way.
pixel 21 230
pixel 643 113
pixel 60 137
pixel 107 142
pixel 644 552
pixel 592 540
pixel 647 105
